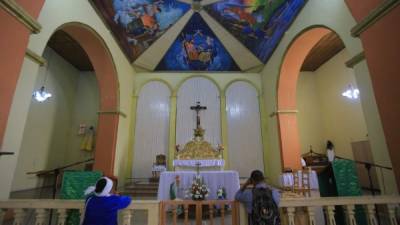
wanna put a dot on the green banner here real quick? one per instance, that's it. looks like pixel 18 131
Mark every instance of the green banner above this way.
pixel 347 184
pixel 73 186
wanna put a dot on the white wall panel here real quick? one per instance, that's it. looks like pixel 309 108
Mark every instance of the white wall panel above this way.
pixel 244 128
pixel 206 92
pixel 152 127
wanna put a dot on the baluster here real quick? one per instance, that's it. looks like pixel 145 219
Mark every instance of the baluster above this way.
pixel 199 213
pixel 350 215
pixel 126 216
pixel 392 216
pixel 211 212
pixel 19 216
pixel 371 214
pixel 186 209
pixel 311 215
pixel 2 213
pixel 290 213
pixel 81 213
pixel 41 215
pixel 174 215
pixel 62 216
pixel 330 211
pixel 223 214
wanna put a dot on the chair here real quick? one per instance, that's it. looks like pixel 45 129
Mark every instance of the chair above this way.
pixel 159 166
pixel 301 181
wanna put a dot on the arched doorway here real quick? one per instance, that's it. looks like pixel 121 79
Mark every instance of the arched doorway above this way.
pixel 107 79
pixel 286 98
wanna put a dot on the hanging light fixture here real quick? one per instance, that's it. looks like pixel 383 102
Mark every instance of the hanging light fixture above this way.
pixel 42 95
pixel 351 92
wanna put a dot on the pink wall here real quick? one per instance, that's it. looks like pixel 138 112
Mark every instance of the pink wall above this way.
pixel 381 44
pixel 13 43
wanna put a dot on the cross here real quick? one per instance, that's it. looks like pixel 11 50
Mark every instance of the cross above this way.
pixel 197 108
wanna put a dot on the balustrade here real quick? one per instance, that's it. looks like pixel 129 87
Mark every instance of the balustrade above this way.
pixel 214 212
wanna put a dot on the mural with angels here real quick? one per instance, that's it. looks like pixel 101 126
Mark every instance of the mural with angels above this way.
pixel 136 24
pixel 258 24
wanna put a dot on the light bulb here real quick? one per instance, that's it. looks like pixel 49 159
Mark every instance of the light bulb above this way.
pixel 41 95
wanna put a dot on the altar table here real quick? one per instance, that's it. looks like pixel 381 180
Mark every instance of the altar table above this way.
pixel 204 164
pixel 213 179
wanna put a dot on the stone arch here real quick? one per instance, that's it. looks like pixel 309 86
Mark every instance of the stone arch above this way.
pixel 242 80
pixel 197 76
pixel 286 93
pixel 107 78
pixel 139 89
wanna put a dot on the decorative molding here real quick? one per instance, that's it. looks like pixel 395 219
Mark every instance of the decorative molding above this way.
pixel 284 111
pixel 35 57
pixel 14 9
pixel 112 112
pixel 355 60
pixel 374 16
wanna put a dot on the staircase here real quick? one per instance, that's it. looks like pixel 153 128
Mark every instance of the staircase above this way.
pixel 141 189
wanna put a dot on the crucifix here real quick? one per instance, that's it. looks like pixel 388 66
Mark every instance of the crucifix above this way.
pixel 197 108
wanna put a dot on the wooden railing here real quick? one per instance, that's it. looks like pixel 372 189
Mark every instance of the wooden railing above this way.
pixel 213 212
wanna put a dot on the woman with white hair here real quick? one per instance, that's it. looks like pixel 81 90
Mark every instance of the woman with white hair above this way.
pixel 101 206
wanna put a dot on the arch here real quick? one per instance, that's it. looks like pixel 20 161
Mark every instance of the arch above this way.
pixel 194 76
pixel 107 78
pixel 151 127
pixel 244 125
pixel 286 93
pixel 139 89
pixel 243 80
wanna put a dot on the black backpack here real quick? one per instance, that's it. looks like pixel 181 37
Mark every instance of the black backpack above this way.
pixel 265 211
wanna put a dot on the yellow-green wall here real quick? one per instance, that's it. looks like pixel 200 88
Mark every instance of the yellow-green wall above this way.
pixel 55 14
pixel 336 16
pixel 50 137
pixel 324 114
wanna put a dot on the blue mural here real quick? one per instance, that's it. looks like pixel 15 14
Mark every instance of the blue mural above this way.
pixel 136 24
pixel 197 48
pixel 258 24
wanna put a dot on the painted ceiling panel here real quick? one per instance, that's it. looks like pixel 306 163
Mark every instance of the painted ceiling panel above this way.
pixel 258 24
pixel 136 24
pixel 197 49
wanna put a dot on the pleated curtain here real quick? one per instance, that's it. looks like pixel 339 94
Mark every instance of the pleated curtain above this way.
pixel 152 127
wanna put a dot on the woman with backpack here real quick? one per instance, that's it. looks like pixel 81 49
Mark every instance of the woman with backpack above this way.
pixel 261 201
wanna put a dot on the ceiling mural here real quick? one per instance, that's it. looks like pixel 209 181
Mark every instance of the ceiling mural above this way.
pixel 197 49
pixel 258 24
pixel 136 24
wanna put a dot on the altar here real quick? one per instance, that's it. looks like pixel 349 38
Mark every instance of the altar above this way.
pixel 213 179
pixel 203 164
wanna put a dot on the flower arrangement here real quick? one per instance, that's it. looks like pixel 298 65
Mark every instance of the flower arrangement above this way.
pixel 198 189
pixel 221 193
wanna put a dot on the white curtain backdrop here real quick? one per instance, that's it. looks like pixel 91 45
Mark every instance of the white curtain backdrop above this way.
pixel 244 128
pixel 206 92
pixel 152 127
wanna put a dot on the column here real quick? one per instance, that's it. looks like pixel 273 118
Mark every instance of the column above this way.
pixel 224 129
pixel 263 126
pixel 131 145
pixel 172 130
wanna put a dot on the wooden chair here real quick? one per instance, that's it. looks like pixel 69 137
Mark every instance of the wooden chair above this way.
pixel 301 182
pixel 159 166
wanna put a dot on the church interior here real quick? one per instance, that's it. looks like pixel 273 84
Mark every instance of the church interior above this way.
pixel 158 95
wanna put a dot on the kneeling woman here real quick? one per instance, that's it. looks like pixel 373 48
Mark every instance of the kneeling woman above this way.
pixel 101 206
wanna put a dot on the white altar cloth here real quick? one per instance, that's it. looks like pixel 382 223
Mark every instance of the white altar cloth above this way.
pixel 213 179
pixel 286 180
pixel 202 162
